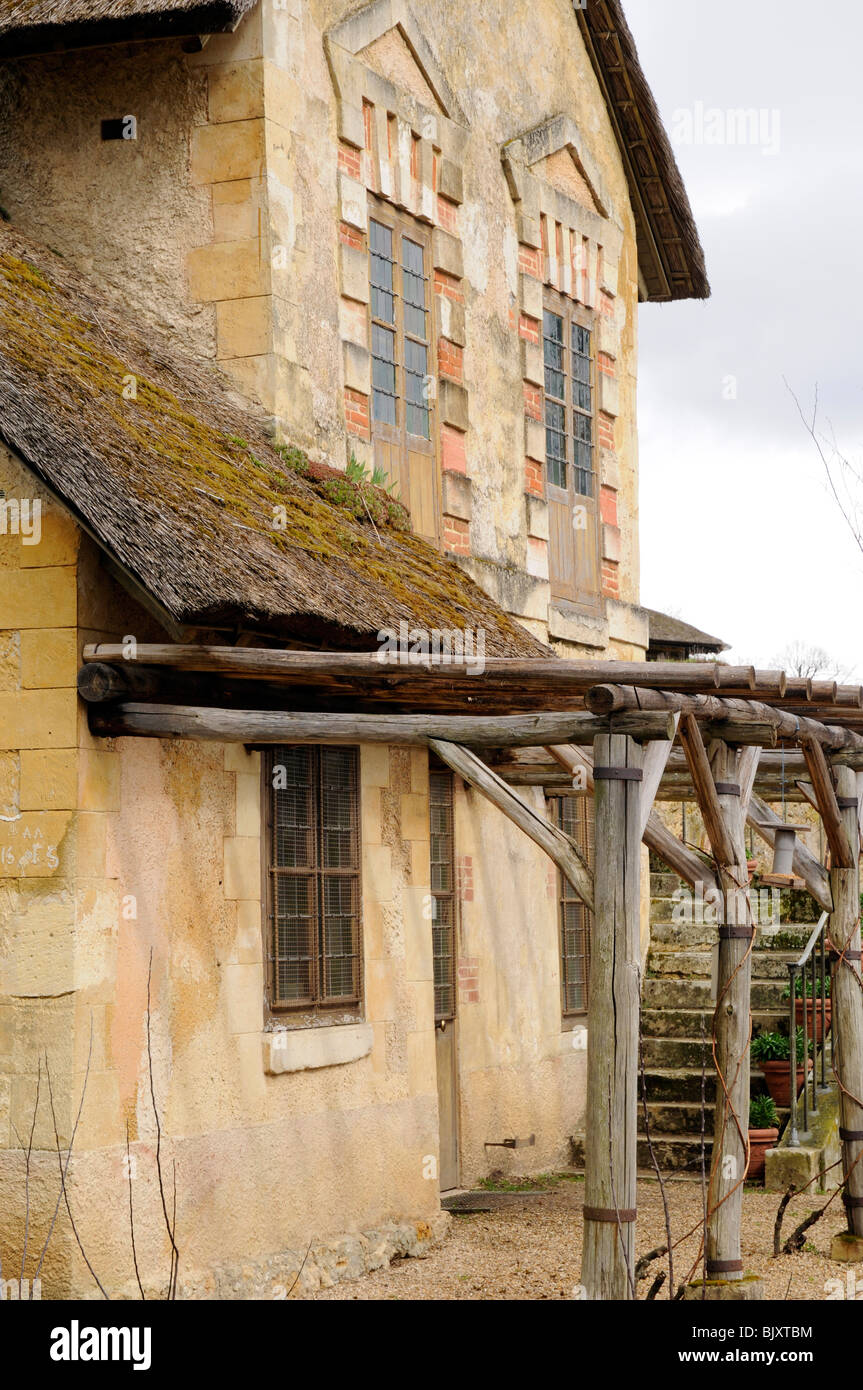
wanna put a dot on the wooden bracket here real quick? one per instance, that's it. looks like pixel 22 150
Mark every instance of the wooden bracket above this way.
pixel 556 844
pixel 655 833
pixel 828 807
pixel 705 791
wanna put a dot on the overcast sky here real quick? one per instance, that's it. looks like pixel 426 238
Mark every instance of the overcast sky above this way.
pixel 739 534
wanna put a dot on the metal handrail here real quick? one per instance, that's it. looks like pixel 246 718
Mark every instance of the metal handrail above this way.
pixel 795 968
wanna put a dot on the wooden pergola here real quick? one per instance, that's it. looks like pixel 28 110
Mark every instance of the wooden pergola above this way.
pixel 628 734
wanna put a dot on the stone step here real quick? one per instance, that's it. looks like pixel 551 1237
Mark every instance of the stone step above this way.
pixel 678 1118
pixel 687 1023
pixel 674 1155
pixel 697 964
pixel 702 935
pixel 664 992
pixel 679 1083
pixel 664 885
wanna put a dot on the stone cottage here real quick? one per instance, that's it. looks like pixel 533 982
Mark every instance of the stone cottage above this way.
pixel 318 325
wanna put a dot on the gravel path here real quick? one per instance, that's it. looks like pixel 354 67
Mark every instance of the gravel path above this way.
pixel 533 1250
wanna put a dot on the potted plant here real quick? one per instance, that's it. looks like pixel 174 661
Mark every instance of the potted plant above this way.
pixel 816 1027
pixel 771 1051
pixel 763 1133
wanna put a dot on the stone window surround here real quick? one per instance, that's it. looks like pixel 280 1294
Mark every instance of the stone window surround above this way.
pixel 592 243
pixel 435 142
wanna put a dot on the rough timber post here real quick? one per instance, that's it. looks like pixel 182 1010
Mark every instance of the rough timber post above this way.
pixel 731 1024
pixel 848 1009
pixel 612 1045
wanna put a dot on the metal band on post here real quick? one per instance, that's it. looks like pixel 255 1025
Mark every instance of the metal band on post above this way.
pixel 847 803
pixel 618 774
pixel 609 1214
pixel 850 1136
pixel 729 933
pixel 727 788
pixel 855 1203
pixel 724 1266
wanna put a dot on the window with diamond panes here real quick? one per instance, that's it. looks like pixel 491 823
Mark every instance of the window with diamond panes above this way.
pixel 574 815
pixel 571 486
pixel 443 893
pixel 314 884
pixel 403 387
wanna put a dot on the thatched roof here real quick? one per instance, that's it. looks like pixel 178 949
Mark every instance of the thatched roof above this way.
pixel 667 632
pixel 37 26
pixel 670 255
pixel 179 485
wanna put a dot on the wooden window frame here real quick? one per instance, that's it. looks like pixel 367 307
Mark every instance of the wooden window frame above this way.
pixel 566 895
pixel 320 1010
pixel 397 436
pixel 451 897
pixel 574 314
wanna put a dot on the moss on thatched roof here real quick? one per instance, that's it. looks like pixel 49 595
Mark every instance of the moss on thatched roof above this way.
pixel 181 485
pixel 31 26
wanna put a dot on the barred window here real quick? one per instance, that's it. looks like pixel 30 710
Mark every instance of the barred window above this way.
pixel 574 815
pixel 443 892
pixel 314 950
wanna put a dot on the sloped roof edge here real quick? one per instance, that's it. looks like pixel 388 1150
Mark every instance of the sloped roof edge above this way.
pixel 670 254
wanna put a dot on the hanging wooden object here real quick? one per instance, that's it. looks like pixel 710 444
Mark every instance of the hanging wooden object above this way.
pixel 785 838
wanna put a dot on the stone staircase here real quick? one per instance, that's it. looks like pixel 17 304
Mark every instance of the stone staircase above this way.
pixel 676 1024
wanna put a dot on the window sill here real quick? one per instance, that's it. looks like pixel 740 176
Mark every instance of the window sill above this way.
pixel 308 1049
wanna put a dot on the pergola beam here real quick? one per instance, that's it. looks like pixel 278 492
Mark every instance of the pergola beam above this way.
pixel 549 837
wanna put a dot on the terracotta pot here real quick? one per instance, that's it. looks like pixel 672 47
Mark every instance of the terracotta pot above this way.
pixel 813 1022
pixel 776 1076
pixel 760 1140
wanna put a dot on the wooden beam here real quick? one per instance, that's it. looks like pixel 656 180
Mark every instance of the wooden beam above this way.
pixel 611 1121
pixel 828 809
pixel 731 1029
pixel 276 663
pixel 848 1004
pixel 747 769
pixel 806 866
pixel 656 835
pixel 556 844
pixel 719 712
pixel 705 791
pixel 656 756
pixel 276 726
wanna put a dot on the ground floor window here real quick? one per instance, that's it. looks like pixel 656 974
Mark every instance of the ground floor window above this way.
pixel 443 892
pixel 314 945
pixel 574 815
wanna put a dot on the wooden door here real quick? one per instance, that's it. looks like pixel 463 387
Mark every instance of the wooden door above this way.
pixel 446 1056
pixel 402 377
pixel 571 482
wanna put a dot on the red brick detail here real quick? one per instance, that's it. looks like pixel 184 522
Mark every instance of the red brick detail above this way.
pixel 351 237
pixel 368 118
pixel 510 313
pixel 608 505
pixel 464 888
pixel 532 401
pixel 447 214
pixel 456 535
pixel 448 285
pixel 610 582
pixel 450 360
pixel 533 478
pixel 606 430
pixel 605 363
pixel 530 261
pixel 528 328
pixel 468 979
pixel 452 450
pixel 606 302
pixel 357 413
pixel 349 160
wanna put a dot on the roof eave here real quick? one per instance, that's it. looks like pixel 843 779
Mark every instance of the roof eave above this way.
pixel 215 17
